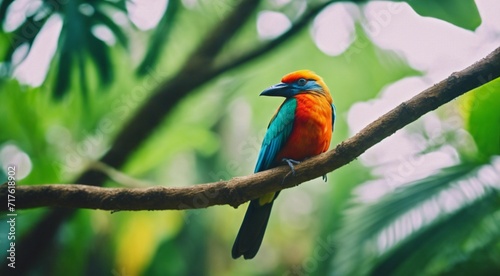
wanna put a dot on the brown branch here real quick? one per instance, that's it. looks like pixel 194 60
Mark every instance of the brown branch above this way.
pixel 241 189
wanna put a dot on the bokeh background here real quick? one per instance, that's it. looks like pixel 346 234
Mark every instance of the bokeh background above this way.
pixel 424 201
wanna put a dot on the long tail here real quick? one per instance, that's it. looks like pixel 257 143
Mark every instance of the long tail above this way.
pixel 252 230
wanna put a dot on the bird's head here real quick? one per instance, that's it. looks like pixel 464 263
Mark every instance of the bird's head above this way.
pixel 299 82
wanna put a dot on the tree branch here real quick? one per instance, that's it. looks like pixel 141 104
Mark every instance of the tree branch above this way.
pixel 241 189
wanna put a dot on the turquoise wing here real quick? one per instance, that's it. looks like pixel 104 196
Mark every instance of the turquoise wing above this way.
pixel 277 134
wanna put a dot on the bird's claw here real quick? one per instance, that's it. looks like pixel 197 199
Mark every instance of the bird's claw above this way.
pixel 325 178
pixel 290 163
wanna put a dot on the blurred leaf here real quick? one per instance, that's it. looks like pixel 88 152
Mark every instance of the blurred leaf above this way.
pixel 364 221
pixel 3 7
pixel 483 261
pixel 482 117
pixel 413 225
pixel 118 4
pixel 139 238
pixel 137 244
pixel 75 40
pixel 104 19
pixel 76 238
pixel 20 105
pixel 100 56
pixel 462 13
pixel 63 73
pixel 415 254
pixel 24 35
pixel 167 260
pixel 159 37
pixel 176 255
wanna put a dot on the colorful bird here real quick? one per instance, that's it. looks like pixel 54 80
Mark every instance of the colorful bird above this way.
pixel 301 128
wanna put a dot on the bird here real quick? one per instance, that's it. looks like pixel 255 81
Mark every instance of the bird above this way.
pixel 301 128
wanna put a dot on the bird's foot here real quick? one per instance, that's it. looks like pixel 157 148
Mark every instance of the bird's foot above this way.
pixel 325 178
pixel 290 163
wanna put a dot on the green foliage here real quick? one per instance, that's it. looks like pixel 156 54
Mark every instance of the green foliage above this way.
pixel 190 244
pixel 26 33
pixel 159 37
pixel 74 257
pixel 413 228
pixel 461 13
pixel 215 133
pixel 480 109
pixel 21 105
pixel 455 229
pixel 76 40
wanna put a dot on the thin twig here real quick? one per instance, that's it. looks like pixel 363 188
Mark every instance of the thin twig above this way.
pixel 118 176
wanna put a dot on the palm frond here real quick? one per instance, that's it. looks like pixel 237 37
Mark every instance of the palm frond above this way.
pixel 63 73
pixel 484 258
pixel 4 6
pixel 75 39
pixel 159 37
pixel 102 18
pixel 100 56
pixel 33 25
pixel 414 255
pixel 374 232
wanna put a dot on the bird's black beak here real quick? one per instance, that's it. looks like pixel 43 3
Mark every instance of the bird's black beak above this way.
pixel 278 90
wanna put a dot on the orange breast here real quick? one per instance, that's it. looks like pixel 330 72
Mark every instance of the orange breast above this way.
pixel 312 128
